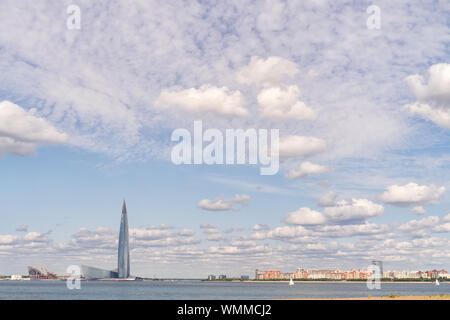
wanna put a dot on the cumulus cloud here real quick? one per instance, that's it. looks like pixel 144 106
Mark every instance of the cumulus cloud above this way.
pixel 431 223
pixel 304 216
pixel 434 96
pixel 220 204
pixel 8 239
pixel 259 227
pixel 440 117
pixel 21 131
pixel 412 194
pixel 351 230
pixel 442 228
pixel 207 98
pixel 280 103
pixel 418 210
pixel 287 232
pixel 446 218
pixel 296 146
pixel 266 72
pixel 414 225
pixel 305 170
pixel 356 209
pixel 29 241
pixel 150 234
pixel 328 199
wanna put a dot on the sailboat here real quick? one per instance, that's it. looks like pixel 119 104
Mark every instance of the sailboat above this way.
pixel 437 282
pixel 291 282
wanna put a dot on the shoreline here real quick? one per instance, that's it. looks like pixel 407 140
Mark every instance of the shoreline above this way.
pixel 337 281
pixel 228 281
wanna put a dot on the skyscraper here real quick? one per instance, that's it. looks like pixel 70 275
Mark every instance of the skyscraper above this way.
pixel 124 251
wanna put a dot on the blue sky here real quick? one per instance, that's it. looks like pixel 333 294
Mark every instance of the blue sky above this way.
pixel 86 117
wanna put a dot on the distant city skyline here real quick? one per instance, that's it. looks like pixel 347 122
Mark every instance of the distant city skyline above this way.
pixel 87 112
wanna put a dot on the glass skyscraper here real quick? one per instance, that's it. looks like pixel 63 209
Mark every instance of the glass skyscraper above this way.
pixel 124 251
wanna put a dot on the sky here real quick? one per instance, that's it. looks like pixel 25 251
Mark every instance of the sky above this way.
pixel 90 96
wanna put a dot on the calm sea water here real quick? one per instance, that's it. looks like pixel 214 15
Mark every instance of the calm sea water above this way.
pixel 191 290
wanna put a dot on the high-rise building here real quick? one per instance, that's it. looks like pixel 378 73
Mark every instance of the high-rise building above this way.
pixel 123 261
pixel 124 250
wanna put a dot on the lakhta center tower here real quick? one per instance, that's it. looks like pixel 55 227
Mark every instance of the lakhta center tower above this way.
pixel 124 251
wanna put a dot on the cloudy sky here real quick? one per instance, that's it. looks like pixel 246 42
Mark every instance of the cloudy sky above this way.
pixel 86 117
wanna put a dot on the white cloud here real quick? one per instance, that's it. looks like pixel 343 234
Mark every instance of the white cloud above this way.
pixel 207 98
pixel 412 194
pixel 305 170
pixel 258 227
pixel 266 72
pixel 36 236
pixel 287 232
pixel 150 234
pixel 438 87
pixel 280 103
pixel 414 225
pixel 438 116
pixel 357 209
pixel 328 199
pixel 21 132
pixel 446 218
pixel 304 216
pixel 220 204
pixel 352 230
pixel 418 210
pixel 433 97
pixel 295 146
pixel 433 223
pixel 442 228
pixel 8 239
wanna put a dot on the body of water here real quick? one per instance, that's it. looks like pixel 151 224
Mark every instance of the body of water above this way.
pixel 192 290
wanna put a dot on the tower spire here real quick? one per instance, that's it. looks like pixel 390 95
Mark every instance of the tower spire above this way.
pixel 124 206
pixel 124 251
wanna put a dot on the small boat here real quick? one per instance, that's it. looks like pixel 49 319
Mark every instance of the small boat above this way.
pixel 437 282
pixel 291 282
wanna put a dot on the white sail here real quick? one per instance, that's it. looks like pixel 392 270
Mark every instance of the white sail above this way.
pixel 437 282
pixel 291 282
